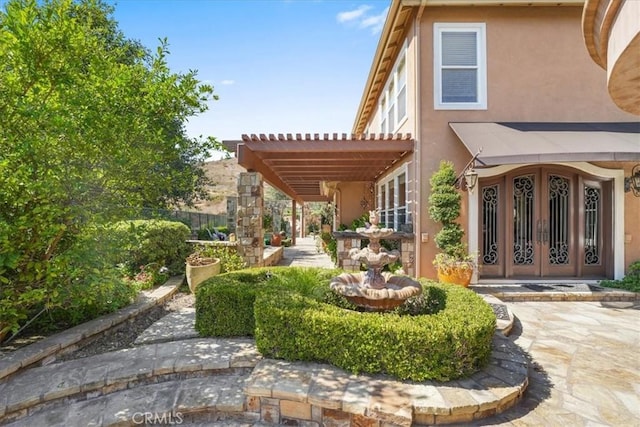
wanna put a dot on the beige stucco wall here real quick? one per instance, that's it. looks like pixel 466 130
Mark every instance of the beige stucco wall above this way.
pixel 538 70
pixel 631 217
pixel 348 197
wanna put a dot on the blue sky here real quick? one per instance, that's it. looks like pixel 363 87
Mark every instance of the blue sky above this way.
pixel 278 66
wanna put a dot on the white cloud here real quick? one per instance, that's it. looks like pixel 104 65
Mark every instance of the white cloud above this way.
pixel 375 22
pixel 363 19
pixel 227 82
pixel 354 14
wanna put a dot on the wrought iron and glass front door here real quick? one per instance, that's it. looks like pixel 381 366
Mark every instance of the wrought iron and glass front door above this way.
pixel 544 222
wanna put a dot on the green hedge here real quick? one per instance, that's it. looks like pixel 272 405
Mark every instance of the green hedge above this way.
pixel 451 344
pixel 224 303
pixel 284 310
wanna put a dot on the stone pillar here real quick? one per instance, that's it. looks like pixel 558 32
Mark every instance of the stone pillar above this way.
pixel 232 213
pixel 249 224
pixel 407 249
pixel 294 221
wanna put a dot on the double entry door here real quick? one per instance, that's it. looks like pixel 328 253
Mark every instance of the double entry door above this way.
pixel 545 222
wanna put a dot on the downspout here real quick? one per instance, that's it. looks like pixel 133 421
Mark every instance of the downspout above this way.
pixel 417 220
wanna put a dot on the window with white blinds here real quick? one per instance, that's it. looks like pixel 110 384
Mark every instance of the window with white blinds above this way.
pixel 392 199
pixel 460 66
pixel 393 102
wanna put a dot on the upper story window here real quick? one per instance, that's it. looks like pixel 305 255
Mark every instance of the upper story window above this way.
pixel 393 102
pixel 460 66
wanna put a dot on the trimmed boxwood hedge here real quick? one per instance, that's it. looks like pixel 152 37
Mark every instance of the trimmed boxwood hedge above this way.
pixel 285 312
pixel 224 303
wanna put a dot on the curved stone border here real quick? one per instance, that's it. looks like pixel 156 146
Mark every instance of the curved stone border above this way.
pixel 72 338
pixel 106 373
pixel 294 392
pixel 112 386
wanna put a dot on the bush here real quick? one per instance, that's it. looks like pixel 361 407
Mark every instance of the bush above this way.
pixel 630 282
pixel 224 307
pixel 286 310
pixel 152 242
pixel 230 260
pixel 89 284
pixel 224 303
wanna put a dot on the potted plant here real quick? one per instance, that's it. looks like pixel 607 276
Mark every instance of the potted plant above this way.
pixel 454 263
pixel 200 267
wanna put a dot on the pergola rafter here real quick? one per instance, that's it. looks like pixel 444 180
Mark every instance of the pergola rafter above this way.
pixel 297 164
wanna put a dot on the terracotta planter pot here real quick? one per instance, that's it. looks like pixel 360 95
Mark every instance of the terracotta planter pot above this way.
pixel 276 239
pixel 197 274
pixel 455 275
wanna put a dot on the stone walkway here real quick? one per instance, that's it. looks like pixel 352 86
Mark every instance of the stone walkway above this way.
pixel 306 254
pixel 582 357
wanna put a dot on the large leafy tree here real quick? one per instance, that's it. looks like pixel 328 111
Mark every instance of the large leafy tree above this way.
pixel 91 128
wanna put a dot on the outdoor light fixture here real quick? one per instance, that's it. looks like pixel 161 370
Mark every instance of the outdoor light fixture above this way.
pixel 632 183
pixel 471 178
pixel 469 174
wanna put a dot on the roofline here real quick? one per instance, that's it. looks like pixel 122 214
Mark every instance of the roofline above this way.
pixel 392 16
pixel 491 3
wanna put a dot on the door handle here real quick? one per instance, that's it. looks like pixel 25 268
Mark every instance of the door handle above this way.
pixel 538 231
pixel 545 232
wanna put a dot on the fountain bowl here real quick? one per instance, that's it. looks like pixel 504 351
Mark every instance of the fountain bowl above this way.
pixel 396 291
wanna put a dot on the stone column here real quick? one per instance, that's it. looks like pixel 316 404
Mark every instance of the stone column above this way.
pixel 294 221
pixel 407 257
pixel 232 213
pixel 249 224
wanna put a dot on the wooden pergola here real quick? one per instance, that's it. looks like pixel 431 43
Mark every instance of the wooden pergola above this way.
pixel 297 165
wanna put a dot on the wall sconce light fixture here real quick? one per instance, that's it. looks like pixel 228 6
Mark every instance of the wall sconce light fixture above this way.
pixel 632 183
pixel 468 178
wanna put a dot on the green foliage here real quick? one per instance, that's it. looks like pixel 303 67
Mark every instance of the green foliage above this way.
pixel 444 207
pixel 293 315
pixel 451 344
pixel 224 307
pixel 89 122
pixel 430 301
pixel 152 242
pixel 230 260
pixel 227 299
pixel 630 282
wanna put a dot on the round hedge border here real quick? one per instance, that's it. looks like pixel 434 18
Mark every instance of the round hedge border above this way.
pixel 294 325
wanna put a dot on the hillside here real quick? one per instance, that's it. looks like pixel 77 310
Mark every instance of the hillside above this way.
pixel 224 176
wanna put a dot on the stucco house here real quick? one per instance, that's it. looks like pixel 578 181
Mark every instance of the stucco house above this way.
pixel 506 89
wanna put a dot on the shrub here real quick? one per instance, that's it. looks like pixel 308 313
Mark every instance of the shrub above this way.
pixel 230 260
pixel 224 307
pixel 630 282
pixel 451 344
pixel 89 284
pixel 224 303
pixel 293 315
pixel 153 241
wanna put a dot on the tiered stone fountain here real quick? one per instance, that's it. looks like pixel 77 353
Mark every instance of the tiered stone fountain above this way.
pixel 375 290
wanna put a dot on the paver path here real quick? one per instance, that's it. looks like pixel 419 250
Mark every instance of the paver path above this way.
pixel 305 253
pixel 588 365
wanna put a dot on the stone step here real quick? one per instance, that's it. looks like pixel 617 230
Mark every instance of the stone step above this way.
pixel 297 392
pixel 73 338
pixel 172 327
pixel 109 372
pixel 522 292
pixel 211 398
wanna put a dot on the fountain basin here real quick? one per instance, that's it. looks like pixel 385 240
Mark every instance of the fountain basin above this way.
pixel 374 232
pixel 396 291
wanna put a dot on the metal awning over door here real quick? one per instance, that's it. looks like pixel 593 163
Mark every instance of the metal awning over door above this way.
pixel 298 165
